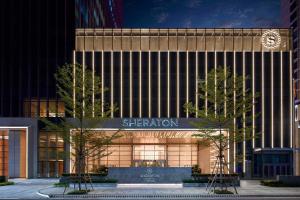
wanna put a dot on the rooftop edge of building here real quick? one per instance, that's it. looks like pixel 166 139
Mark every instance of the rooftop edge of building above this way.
pixel 188 39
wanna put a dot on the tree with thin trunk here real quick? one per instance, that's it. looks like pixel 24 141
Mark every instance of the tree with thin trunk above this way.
pixel 80 91
pixel 225 116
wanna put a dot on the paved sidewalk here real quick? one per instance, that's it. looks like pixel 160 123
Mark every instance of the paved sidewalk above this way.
pixel 29 188
pixel 248 187
pixel 25 188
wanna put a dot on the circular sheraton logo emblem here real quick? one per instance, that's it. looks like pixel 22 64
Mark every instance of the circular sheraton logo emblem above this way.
pixel 271 39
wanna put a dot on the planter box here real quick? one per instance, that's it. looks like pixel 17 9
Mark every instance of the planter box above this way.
pixel 105 184
pixel 194 184
pixel 3 179
pixel 289 180
pixel 94 179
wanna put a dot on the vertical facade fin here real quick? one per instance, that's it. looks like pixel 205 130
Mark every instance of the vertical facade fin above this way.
pixel 102 83
pixel 93 77
pixel 178 86
pixel 168 85
pixel 196 84
pixel 83 81
pixel 291 99
pixel 130 84
pixel 244 113
pixel 263 100
pixel 149 83
pixel 121 84
pixel 140 84
pixel 272 99
pixel 225 84
pixel 234 120
pixel 253 100
pixel 159 76
pixel 206 103
pixel 281 101
pixel 111 84
pixel 187 82
pixel 74 84
pixel 215 66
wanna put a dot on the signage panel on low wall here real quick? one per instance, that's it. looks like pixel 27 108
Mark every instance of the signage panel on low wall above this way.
pixel 149 174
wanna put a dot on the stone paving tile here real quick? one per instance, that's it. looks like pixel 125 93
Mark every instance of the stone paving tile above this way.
pixel 28 189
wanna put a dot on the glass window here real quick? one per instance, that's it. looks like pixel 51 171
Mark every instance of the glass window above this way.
pixel 51 154
pixel 3 153
pixel 43 109
pixel 52 109
pixel 60 109
pixel 34 108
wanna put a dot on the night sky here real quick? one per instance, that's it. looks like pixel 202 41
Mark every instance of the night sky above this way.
pixel 201 13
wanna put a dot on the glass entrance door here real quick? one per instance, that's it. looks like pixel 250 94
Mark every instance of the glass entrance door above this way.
pixel 149 155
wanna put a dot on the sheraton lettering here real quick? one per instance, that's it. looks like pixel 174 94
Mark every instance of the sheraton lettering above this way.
pixel 149 123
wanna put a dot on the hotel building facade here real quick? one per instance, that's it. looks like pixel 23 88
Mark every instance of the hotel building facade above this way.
pixel 291 18
pixel 151 74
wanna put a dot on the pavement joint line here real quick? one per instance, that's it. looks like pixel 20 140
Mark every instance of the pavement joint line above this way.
pixel 168 196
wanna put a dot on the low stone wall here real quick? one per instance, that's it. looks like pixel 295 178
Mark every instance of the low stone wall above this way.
pixel 149 174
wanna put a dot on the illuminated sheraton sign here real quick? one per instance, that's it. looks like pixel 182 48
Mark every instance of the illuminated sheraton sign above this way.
pixel 149 123
pixel 271 39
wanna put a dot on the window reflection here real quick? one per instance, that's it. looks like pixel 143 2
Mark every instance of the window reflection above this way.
pixel 43 108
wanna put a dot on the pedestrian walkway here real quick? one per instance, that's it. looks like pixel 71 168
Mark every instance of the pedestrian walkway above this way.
pixel 28 188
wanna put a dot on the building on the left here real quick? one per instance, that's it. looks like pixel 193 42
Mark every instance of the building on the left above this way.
pixel 36 37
